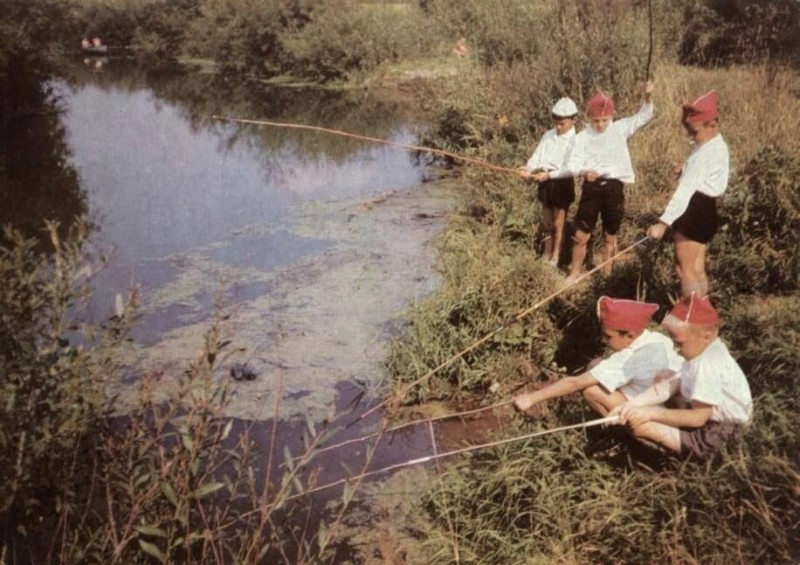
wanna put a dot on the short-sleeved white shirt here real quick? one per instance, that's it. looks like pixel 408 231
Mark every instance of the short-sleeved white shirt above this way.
pixel 714 378
pixel 632 370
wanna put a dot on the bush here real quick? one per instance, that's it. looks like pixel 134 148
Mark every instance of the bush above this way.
pixel 759 247
pixel 53 373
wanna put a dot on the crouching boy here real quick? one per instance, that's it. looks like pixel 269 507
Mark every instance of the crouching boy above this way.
pixel 709 396
pixel 638 355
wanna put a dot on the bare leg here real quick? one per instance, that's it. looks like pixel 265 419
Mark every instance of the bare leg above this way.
pixel 601 401
pixel 578 254
pixel 609 250
pixel 547 228
pixel 661 434
pixel 559 219
pixel 691 265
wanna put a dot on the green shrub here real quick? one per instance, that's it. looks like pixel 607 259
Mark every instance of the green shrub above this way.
pixel 758 249
pixel 53 373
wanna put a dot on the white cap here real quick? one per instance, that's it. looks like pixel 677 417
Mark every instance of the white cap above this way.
pixel 565 108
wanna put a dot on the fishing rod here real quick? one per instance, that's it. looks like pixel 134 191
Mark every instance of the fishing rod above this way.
pixel 650 39
pixel 514 319
pixel 437 456
pixel 408 425
pixel 441 152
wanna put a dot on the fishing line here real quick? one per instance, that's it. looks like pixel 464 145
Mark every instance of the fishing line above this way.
pixel 407 425
pixel 599 421
pixel 515 318
pixel 442 152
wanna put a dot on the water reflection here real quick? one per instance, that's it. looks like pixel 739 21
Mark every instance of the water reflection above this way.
pixel 37 180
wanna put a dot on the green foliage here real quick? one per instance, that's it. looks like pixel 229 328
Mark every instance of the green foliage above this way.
pixel 759 247
pixel 741 31
pixel 345 39
pixel 53 371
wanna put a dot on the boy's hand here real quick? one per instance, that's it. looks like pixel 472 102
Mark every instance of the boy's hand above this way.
pixel 524 401
pixel 541 176
pixel 634 416
pixel 524 172
pixel 591 176
pixel 656 231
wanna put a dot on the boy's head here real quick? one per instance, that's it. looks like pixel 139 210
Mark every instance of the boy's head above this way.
pixel 692 324
pixel 623 320
pixel 564 113
pixel 701 117
pixel 600 111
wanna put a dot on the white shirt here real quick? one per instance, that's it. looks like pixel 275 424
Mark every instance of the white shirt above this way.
pixel 706 170
pixel 607 153
pixel 714 378
pixel 552 152
pixel 632 370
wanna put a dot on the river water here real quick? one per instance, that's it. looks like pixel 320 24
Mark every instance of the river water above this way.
pixel 315 242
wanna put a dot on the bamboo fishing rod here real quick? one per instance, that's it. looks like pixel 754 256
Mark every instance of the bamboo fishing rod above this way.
pixel 472 160
pixel 514 319
pixel 437 456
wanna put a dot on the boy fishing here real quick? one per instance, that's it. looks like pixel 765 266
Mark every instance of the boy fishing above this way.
pixel 638 355
pixel 601 158
pixel 692 211
pixel 709 396
pixel 548 167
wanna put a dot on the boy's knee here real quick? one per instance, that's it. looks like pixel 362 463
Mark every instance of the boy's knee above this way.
pixel 580 238
pixel 592 393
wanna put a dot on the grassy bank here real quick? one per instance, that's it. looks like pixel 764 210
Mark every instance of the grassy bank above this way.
pixel 554 499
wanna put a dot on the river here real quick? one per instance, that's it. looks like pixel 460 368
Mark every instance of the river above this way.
pixel 314 242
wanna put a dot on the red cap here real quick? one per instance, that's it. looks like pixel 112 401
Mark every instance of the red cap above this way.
pixel 600 106
pixel 624 315
pixel 694 310
pixel 701 110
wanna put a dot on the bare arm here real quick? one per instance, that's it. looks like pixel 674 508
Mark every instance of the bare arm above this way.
pixel 561 387
pixel 694 417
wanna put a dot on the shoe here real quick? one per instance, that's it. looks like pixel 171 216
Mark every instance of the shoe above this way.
pixel 569 281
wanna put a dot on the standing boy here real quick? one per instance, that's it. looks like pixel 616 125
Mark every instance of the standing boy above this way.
pixel 638 355
pixel 548 167
pixel 601 158
pixel 711 399
pixel 692 211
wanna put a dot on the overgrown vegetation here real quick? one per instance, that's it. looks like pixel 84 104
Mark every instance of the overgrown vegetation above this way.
pixel 175 482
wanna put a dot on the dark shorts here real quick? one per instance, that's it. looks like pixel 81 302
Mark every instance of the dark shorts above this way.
pixel 557 193
pixel 699 221
pixel 702 442
pixel 604 198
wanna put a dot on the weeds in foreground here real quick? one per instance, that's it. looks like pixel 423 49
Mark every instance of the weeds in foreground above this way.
pixel 174 480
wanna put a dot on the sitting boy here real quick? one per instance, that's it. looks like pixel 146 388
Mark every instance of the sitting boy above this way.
pixel 710 396
pixel 639 355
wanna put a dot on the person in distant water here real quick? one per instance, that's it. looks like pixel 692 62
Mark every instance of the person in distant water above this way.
pixel 97 42
pixel 692 211
pixel 639 355
pixel 601 158
pixel 85 43
pixel 709 396
pixel 548 167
